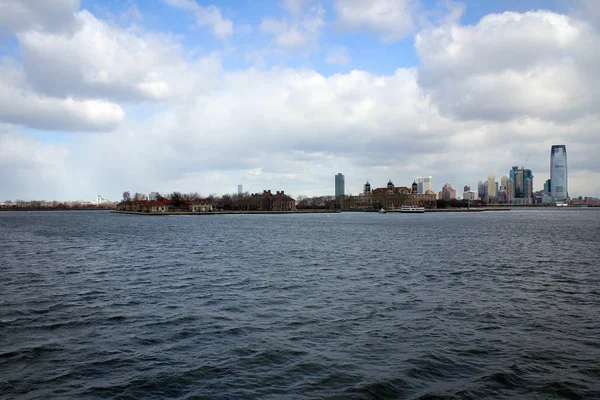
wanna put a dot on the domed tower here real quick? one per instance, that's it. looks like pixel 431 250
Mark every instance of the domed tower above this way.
pixel 414 188
pixel 367 189
pixel 390 186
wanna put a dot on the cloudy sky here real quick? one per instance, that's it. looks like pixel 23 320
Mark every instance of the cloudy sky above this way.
pixel 103 96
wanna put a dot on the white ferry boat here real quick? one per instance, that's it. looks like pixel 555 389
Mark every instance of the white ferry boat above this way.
pixel 412 209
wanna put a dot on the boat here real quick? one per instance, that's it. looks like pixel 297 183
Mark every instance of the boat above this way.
pixel 412 209
pixel 382 211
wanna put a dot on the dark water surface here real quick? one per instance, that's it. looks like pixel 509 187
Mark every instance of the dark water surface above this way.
pixel 353 305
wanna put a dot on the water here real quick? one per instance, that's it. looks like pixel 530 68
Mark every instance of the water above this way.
pixel 352 305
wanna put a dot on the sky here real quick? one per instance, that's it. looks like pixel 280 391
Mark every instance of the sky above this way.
pixel 98 97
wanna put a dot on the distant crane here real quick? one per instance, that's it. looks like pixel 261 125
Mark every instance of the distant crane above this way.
pixel 524 164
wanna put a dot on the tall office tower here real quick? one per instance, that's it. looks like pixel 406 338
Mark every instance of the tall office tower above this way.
pixel 504 184
pixel 482 191
pixel 491 185
pixel 419 181
pixel 427 184
pixel 447 192
pixel 340 185
pixel 424 183
pixel 240 189
pixel 558 172
pixel 547 186
pixel 467 188
pixel 521 185
pixel 528 183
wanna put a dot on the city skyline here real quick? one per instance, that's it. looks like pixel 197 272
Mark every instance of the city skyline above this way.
pixel 184 95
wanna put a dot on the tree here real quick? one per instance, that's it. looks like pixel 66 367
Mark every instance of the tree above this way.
pixel 126 196
pixel 177 199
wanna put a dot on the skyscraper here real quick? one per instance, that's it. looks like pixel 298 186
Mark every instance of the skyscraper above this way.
pixel 240 189
pixel 340 185
pixel 491 185
pixel 521 185
pixel 504 184
pixel 558 172
pixel 424 184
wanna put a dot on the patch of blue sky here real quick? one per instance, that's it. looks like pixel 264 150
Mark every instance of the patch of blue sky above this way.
pixel 9 46
pixel 46 136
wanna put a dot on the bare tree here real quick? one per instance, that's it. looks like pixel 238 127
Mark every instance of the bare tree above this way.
pixel 177 199
pixel 126 196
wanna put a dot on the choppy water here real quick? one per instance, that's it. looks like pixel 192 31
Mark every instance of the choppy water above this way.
pixel 478 305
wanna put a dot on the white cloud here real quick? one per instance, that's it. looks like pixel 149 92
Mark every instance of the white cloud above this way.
pixel 537 64
pixel 300 34
pixel 99 60
pixel 389 20
pixel 206 16
pixel 21 105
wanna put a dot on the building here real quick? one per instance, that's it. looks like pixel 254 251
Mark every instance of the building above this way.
pixel 447 192
pixel 240 189
pixel 340 185
pixel 469 195
pixel 491 182
pixel 547 186
pixel 153 196
pixel 424 184
pixel 389 197
pixel 165 205
pixel 558 173
pixel 521 185
pixel 482 190
pixel 467 188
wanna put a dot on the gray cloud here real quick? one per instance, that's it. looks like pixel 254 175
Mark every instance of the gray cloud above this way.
pixel 48 16
pixel 19 104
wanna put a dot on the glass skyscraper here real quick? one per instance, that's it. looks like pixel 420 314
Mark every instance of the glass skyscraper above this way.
pixel 340 185
pixel 521 185
pixel 558 172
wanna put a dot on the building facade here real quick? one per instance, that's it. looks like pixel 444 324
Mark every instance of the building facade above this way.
pixel 447 192
pixel 424 183
pixel 558 172
pixel 340 185
pixel 521 185
pixel 389 197
pixel 491 182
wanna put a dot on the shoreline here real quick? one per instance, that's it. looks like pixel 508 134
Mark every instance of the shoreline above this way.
pixel 231 212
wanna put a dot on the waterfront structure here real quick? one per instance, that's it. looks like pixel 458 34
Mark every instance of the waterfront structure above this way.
pixel 558 173
pixel 447 192
pixel 267 201
pixel 165 205
pixel 491 182
pixel 389 197
pixel 340 185
pixel 424 184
